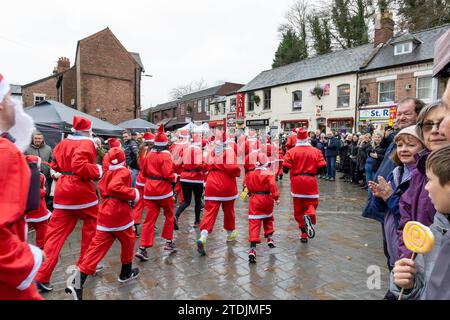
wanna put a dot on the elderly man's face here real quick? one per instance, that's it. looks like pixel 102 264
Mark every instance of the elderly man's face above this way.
pixel 406 114
pixel 7 114
pixel 38 139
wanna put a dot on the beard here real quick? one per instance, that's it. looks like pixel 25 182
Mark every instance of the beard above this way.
pixel 23 130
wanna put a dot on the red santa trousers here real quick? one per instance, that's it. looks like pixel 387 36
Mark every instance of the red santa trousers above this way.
pixel 61 226
pixel 254 229
pixel 100 246
pixel 148 228
pixel 179 192
pixel 139 206
pixel 41 231
pixel 210 216
pixel 302 207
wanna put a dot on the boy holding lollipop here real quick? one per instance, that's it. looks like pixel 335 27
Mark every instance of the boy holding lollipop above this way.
pixel 428 276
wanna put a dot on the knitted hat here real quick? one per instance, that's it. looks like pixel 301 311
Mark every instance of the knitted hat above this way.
pixel 4 88
pixel 116 156
pixel 149 137
pixel 114 143
pixel 412 131
pixel 160 138
pixel 81 124
pixel 302 134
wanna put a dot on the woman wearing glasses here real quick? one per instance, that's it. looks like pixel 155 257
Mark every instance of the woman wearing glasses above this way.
pixel 415 204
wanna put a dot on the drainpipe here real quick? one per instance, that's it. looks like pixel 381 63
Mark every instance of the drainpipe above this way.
pixel 356 103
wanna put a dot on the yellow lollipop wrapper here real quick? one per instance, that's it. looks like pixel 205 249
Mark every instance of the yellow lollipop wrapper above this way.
pixel 418 238
pixel 244 194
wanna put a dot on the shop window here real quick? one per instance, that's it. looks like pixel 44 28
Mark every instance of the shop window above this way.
pixel 343 100
pixel 199 106
pixel 297 100
pixel 386 91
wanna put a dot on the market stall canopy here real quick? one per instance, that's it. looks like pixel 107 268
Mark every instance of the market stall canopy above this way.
pixel 53 119
pixel 442 55
pixel 196 129
pixel 138 125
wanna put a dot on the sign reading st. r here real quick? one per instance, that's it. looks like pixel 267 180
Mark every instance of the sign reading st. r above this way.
pixel 379 113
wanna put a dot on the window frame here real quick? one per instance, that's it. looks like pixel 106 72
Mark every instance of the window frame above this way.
pixel 379 92
pixel 348 95
pixel 267 105
pixel 430 88
pixel 199 105
pixel 251 103
pixel 301 100
pixel 38 95
pixel 398 52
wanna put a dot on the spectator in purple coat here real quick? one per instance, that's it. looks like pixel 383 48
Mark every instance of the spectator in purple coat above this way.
pixel 415 204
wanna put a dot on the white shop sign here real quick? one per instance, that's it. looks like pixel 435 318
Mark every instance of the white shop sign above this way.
pixel 374 114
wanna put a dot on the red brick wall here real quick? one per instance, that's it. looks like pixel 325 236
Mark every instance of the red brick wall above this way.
pixel 69 87
pixel 107 79
pixel 47 87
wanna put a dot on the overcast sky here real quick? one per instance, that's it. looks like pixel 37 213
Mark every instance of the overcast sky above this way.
pixel 179 41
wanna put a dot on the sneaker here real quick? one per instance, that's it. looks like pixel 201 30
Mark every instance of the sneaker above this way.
pixel 142 254
pixel 201 244
pixel 175 224
pixel 99 268
pixel 232 237
pixel 170 246
pixel 332 179
pixel 271 243
pixel 133 275
pixel 44 287
pixel 327 178
pixel 304 238
pixel 309 227
pixel 252 255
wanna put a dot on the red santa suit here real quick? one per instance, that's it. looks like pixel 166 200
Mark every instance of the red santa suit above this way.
pixel 19 261
pixel 75 196
pixel 113 143
pixel 115 219
pixel 304 161
pixel 159 171
pixel 140 180
pixel 38 219
pixel 176 150
pixel 263 191
pixel 275 154
pixel 221 187
pixel 292 140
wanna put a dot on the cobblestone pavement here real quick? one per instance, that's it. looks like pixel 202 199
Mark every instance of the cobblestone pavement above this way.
pixel 331 266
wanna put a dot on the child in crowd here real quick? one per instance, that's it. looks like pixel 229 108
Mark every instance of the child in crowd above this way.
pixel 428 277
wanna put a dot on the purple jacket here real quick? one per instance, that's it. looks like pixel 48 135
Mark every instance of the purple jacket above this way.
pixel 415 204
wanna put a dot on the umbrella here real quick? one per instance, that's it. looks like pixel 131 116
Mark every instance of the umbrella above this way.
pixel 138 125
pixel 54 119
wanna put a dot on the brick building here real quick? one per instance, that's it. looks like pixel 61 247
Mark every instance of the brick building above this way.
pixel 105 80
pixel 402 67
pixel 193 107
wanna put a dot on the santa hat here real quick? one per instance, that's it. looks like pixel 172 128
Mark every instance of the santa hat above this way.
pixel 34 159
pixel 262 160
pixel 4 88
pixel 81 124
pixel 116 156
pixel 302 134
pixel 184 134
pixel 149 137
pixel 114 143
pixel 160 138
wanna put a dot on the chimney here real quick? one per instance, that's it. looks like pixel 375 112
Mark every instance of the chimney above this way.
pixel 384 27
pixel 63 65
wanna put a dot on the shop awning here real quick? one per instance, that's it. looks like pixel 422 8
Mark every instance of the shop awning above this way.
pixel 349 119
pixel 216 123
pixel 442 55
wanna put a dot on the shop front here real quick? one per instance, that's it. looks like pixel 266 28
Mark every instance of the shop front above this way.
pixel 289 125
pixel 340 125
pixel 260 125
pixel 380 117
pixel 217 124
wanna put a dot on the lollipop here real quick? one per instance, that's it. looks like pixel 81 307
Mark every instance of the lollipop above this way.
pixel 418 239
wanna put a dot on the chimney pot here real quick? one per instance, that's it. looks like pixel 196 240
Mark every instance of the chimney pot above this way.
pixel 384 27
pixel 63 64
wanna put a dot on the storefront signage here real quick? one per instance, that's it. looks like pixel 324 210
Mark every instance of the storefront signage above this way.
pixel 240 106
pixel 231 120
pixel 258 123
pixel 374 114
